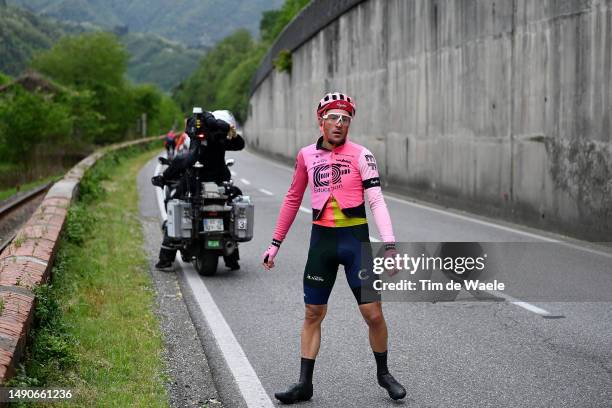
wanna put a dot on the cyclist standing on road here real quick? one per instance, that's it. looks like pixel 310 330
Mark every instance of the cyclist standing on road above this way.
pixel 338 172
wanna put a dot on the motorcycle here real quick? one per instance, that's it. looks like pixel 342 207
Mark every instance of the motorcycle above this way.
pixel 208 222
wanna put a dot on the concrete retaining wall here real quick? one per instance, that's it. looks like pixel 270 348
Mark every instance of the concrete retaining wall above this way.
pixel 28 260
pixel 497 106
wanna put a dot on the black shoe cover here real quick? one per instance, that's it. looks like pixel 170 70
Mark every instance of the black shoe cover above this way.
pixel 164 265
pixel 396 390
pixel 296 392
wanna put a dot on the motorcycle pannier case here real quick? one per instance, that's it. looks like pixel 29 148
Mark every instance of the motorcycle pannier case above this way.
pixel 243 217
pixel 179 219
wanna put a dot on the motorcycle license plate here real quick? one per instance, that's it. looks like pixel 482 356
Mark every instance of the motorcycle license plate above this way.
pixel 213 244
pixel 213 224
pixel 242 223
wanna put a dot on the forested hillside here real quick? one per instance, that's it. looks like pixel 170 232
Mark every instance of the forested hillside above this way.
pixel 192 22
pixel 153 59
pixel 22 34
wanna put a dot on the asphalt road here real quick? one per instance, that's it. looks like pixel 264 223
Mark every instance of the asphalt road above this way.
pixel 447 354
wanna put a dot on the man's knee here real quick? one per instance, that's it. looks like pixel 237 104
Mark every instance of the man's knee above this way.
pixel 373 315
pixel 314 314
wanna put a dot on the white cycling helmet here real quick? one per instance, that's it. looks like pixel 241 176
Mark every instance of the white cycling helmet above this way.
pixel 226 116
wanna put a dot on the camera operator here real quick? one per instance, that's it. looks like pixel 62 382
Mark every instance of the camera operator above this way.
pixel 210 139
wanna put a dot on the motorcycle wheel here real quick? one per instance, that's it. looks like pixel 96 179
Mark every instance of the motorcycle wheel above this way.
pixel 206 263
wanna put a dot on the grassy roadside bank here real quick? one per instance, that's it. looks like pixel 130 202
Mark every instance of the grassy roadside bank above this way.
pixel 95 331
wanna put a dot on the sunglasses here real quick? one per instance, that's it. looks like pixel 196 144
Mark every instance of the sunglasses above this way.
pixel 338 118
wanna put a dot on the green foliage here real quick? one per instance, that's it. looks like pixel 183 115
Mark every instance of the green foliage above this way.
pixel 4 79
pixel 51 346
pixel 223 79
pixel 267 25
pixel 88 61
pixel 79 220
pixel 283 61
pixel 273 22
pixel 28 120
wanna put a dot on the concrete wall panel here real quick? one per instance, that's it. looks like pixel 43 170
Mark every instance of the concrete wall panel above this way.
pixel 496 105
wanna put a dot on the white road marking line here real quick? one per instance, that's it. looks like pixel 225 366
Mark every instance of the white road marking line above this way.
pixel 532 308
pixel 306 210
pixel 520 303
pixel 245 181
pixel 249 384
pixel 263 190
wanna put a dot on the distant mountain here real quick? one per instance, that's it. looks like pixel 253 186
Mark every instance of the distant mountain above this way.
pixel 153 59
pixel 195 23
pixel 157 60
pixel 22 34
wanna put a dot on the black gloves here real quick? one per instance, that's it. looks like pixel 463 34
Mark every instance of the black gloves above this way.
pixel 158 181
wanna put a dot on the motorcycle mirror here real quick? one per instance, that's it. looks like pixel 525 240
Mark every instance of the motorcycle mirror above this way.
pixel 229 162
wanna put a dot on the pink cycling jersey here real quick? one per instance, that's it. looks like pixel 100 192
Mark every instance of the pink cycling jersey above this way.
pixel 344 172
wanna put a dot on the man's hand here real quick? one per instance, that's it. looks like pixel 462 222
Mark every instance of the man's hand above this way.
pixel 158 181
pixel 391 253
pixel 268 257
pixel 231 133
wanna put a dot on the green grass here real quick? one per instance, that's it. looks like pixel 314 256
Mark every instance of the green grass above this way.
pixel 96 332
pixel 4 194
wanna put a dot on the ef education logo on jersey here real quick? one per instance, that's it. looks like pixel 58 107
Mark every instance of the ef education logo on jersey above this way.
pixel 321 175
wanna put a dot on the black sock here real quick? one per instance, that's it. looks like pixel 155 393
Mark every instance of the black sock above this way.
pixel 306 370
pixel 381 363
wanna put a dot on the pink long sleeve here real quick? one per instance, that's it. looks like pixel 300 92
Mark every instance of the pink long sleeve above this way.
pixel 371 183
pixel 293 199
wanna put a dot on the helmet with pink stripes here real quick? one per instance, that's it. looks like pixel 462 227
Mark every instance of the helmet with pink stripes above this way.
pixel 336 100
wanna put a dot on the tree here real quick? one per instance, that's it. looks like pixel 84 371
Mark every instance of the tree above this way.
pixel 4 79
pixel 95 62
pixel 29 120
pixel 85 61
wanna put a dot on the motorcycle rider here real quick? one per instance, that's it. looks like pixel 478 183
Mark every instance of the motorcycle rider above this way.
pixel 220 136
pixel 170 143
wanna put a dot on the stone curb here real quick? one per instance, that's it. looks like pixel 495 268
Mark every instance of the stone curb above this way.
pixel 28 260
